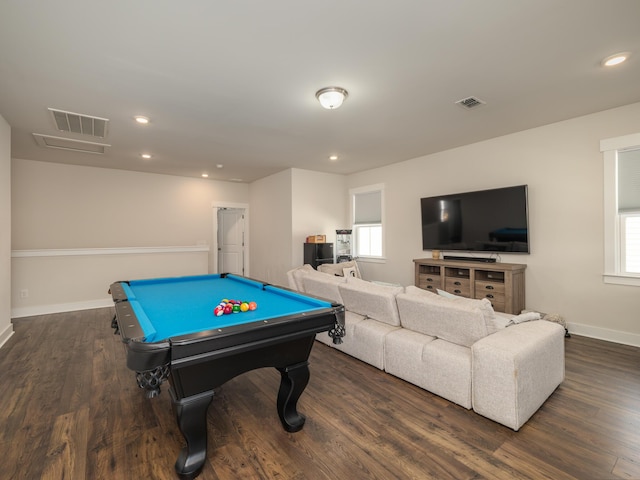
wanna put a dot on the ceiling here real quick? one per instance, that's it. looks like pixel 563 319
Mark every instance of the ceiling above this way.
pixel 233 83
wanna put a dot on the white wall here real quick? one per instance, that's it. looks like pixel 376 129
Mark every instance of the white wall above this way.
pixel 285 209
pixel 563 167
pixel 68 206
pixel 319 208
pixel 270 228
pixel 6 328
pixel 86 209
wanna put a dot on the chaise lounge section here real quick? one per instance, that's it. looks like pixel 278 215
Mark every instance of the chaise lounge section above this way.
pixel 457 348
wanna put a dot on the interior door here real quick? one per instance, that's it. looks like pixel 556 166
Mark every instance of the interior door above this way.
pixel 231 230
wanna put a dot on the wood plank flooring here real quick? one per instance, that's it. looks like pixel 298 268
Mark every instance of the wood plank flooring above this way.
pixel 70 409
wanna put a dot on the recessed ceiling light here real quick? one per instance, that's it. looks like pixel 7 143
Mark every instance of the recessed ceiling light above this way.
pixel 333 157
pixel 219 165
pixel 142 120
pixel 145 155
pixel 615 59
pixel 205 175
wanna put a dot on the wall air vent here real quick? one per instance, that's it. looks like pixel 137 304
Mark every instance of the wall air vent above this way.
pixel 470 102
pixel 69 144
pixel 78 123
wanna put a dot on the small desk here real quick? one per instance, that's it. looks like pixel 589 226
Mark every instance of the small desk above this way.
pixel 170 332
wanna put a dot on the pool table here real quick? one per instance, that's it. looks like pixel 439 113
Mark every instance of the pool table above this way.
pixel 170 331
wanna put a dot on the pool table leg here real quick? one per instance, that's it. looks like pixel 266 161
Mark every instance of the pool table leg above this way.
pixel 293 380
pixel 191 414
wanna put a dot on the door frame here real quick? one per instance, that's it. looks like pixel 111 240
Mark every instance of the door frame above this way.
pixel 213 259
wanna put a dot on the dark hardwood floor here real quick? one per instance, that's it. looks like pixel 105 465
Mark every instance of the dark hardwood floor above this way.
pixel 70 409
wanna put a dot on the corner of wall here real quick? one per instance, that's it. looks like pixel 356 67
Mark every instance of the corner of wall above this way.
pixel 6 328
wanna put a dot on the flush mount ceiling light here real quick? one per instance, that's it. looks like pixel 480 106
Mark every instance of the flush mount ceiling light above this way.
pixel 142 120
pixel 615 59
pixel 331 97
pixel 145 155
pixel 333 157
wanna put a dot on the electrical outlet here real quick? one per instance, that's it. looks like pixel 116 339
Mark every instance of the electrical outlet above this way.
pixel 24 293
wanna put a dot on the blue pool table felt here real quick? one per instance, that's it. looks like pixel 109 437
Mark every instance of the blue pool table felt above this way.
pixel 171 307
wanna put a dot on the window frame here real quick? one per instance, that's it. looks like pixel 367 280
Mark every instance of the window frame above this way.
pixel 352 194
pixel 614 271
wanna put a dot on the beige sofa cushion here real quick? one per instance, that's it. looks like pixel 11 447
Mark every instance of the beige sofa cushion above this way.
pixel 459 322
pixel 323 285
pixel 295 275
pixel 371 300
pixel 366 341
pixel 515 370
pixel 339 268
pixel 494 321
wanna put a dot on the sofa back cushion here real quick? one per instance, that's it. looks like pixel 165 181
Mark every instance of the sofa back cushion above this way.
pixel 371 300
pixel 295 275
pixel 323 285
pixel 339 268
pixel 460 321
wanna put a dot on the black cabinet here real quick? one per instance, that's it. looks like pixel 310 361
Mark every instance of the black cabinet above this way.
pixel 318 253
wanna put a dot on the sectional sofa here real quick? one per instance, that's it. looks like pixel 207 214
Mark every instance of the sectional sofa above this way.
pixel 457 348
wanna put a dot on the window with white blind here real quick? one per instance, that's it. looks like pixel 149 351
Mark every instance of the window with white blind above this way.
pixel 367 213
pixel 622 209
pixel 629 210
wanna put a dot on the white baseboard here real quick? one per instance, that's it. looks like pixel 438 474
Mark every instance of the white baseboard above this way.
pixel 6 334
pixel 606 334
pixel 60 307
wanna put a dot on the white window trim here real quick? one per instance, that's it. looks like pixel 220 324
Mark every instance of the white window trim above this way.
pixel 612 256
pixel 378 187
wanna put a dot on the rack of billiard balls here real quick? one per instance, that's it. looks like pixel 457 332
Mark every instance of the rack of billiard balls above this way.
pixel 226 307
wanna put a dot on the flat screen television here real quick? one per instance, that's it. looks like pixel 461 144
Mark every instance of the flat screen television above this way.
pixel 484 221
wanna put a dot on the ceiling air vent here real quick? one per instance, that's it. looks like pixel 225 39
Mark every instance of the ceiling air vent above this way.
pixel 78 123
pixel 470 102
pixel 69 144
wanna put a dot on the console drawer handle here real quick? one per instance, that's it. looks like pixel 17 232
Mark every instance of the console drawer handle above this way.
pixel 429 287
pixel 489 287
pixel 429 279
pixel 489 296
pixel 457 283
pixel 457 291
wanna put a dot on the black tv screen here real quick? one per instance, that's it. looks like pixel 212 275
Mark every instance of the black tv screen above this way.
pixel 483 221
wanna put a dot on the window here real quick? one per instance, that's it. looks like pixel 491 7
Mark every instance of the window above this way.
pixel 367 213
pixel 629 210
pixel 622 209
pixel 630 235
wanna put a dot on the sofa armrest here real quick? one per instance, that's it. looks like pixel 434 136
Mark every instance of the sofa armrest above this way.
pixel 515 370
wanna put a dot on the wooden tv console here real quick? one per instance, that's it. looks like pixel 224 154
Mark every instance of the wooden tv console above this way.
pixel 501 283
